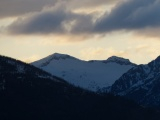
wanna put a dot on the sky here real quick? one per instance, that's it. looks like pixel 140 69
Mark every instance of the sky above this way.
pixel 86 29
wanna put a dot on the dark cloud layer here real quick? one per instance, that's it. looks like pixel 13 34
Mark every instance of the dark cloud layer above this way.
pixel 56 21
pixel 131 15
pixel 45 22
pixel 128 15
pixel 10 8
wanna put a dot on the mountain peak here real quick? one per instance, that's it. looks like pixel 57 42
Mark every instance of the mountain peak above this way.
pixel 60 56
pixel 155 63
pixel 157 59
pixel 56 56
pixel 118 60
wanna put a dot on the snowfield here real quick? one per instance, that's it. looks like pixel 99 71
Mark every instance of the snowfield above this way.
pixel 92 75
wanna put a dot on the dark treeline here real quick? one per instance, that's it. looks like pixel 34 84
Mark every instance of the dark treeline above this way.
pixel 26 95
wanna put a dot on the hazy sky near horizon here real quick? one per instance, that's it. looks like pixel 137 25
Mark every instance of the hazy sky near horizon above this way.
pixel 86 29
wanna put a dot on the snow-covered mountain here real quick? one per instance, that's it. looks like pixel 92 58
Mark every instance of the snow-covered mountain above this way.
pixel 28 93
pixel 92 75
pixel 141 83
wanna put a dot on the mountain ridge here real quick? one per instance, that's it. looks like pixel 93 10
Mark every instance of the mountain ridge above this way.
pixel 92 75
pixel 141 84
pixel 28 96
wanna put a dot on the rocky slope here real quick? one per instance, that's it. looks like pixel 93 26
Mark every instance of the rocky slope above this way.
pixel 141 83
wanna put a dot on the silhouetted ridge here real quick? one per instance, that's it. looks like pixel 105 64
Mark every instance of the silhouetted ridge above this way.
pixel 141 84
pixel 35 95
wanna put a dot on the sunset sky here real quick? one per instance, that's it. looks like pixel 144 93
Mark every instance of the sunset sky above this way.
pixel 86 29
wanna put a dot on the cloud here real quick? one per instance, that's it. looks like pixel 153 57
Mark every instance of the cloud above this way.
pixel 1 29
pixel 141 48
pixel 131 15
pixel 153 32
pixel 91 3
pixel 57 20
pixel 141 16
pixel 148 51
pixel 45 22
pixel 10 8
pixel 101 53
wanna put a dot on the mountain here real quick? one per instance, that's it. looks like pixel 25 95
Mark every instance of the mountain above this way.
pixel 28 93
pixel 141 83
pixel 92 75
pixel 118 60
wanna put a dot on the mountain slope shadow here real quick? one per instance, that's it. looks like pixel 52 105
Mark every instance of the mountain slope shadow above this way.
pixel 28 93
